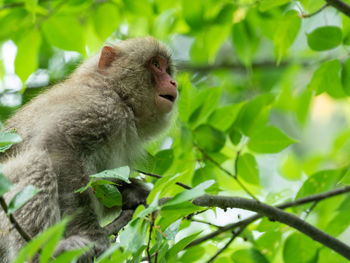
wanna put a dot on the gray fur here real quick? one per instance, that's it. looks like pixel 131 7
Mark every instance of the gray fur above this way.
pixel 91 122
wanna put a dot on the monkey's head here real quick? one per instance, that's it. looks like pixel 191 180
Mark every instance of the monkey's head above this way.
pixel 140 70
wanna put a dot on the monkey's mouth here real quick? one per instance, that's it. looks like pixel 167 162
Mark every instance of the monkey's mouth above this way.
pixel 168 97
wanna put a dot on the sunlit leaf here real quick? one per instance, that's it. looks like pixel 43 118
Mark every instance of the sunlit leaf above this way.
pixel 254 114
pixel 106 18
pixel 28 252
pixel 306 246
pixel 109 195
pixel 21 198
pixel 245 41
pixel 248 256
pixel 319 182
pixel 5 184
pixel 247 168
pixel 223 117
pixel 268 4
pixel 269 140
pixel 209 138
pixel 186 195
pixel 324 38
pixel 65 32
pixel 345 75
pixel 121 173
pixel 286 32
pixel 27 57
pixel 327 78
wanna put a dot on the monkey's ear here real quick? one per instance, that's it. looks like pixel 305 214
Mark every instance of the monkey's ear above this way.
pixel 108 55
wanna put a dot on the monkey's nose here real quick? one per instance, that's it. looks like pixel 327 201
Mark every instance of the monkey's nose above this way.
pixel 173 82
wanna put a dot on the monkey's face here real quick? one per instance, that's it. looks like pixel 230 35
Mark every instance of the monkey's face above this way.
pixel 165 85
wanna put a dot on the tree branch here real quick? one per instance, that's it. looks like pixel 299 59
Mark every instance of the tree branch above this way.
pixel 249 220
pixel 276 214
pixel 340 6
pixel 14 222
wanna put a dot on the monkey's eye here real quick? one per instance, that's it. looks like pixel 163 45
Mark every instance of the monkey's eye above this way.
pixel 156 64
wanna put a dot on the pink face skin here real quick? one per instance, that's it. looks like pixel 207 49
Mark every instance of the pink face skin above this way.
pixel 166 86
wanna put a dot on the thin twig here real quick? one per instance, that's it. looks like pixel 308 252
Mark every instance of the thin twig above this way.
pixel 340 6
pixel 234 235
pixel 309 210
pixel 314 13
pixel 159 177
pixel 14 222
pixel 204 222
pixel 227 172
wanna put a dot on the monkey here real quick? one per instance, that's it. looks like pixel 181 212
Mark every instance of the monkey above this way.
pixel 99 118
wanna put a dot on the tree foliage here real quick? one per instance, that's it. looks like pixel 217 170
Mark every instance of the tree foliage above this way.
pixel 261 123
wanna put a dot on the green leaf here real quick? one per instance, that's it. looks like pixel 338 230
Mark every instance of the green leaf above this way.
pixel 65 32
pixel 269 4
pixel 203 174
pixel 248 168
pixel 172 213
pixel 69 256
pixel 235 135
pixel 9 138
pixel 186 195
pixel 223 117
pixel 324 38
pixel 327 255
pixel 207 101
pixel 327 78
pixel 254 114
pixel 186 93
pixel 161 186
pixel 269 242
pixel 339 223
pixel 163 160
pixel 5 184
pixel 286 32
pixel 245 41
pixel 192 12
pixel 269 140
pixel 106 19
pixel 306 247
pixel 292 168
pixel 21 198
pixel 179 246
pixel 248 256
pixel 26 61
pixel 208 138
pixel 28 252
pixel 109 195
pixel 121 173
pixel 319 182
pixel 345 76
pixel 132 238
